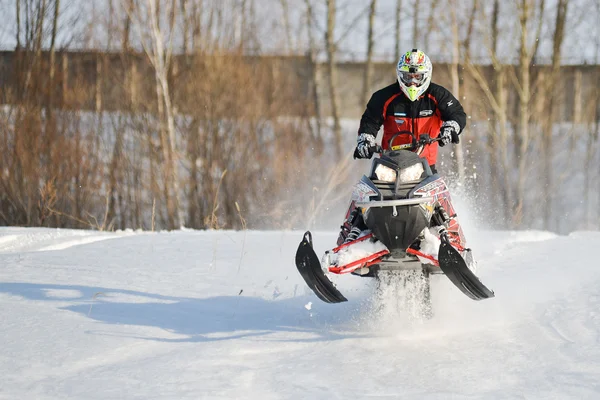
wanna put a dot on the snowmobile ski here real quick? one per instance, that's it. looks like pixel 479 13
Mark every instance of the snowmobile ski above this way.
pixel 309 266
pixel 455 268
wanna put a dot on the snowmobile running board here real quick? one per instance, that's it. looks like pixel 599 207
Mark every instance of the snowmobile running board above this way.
pixel 309 266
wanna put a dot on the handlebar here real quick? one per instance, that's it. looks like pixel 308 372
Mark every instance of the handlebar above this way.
pixel 415 145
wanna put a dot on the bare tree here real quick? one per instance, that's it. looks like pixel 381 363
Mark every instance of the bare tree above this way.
pixel 538 33
pixel 415 36
pixel 495 93
pixel 592 152
pixel 53 38
pixel 397 26
pixel 500 109
pixel 332 71
pixel 470 27
pixel 459 155
pixel 431 18
pixel 52 72
pixel 18 33
pixel 547 122
pixel 286 24
pixel 125 41
pixel 523 86
pixel 369 59
pixel 147 20
pixel 118 190
pixel 312 59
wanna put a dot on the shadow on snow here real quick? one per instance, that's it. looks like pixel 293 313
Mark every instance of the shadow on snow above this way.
pixel 200 319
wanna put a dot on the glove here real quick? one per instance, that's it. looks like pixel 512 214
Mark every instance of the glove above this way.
pixel 366 146
pixel 449 133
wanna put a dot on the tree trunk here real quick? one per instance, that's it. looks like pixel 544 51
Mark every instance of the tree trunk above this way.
pixel 472 19
pixel 369 61
pixel 536 45
pixel 523 122
pixel 186 25
pixel 50 129
pixel 332 70
pixel 416 24
pixel 18 24
pixel 505 171
pixel 314 79
pixel 197 25
pixel 397 26
pixel 99 82
pixel 547 119
pixel 460 160
pixel 127 27
pixel 431 25
pixel 286 26
pixel 500 166
pixel 114 174
pixel 194 219
pixel 159 54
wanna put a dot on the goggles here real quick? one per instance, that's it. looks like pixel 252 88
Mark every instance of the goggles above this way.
pixel 412 78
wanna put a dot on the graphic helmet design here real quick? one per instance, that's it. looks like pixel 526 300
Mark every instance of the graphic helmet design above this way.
pixel 414 73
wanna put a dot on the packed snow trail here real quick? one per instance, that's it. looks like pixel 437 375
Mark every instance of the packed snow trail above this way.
pixel 225 315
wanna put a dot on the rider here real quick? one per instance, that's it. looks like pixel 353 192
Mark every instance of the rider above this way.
pixel 414 104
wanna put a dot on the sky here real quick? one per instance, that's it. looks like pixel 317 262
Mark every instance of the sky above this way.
pixel 225 315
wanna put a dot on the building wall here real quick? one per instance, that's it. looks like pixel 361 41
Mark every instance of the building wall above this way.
pixel 114 81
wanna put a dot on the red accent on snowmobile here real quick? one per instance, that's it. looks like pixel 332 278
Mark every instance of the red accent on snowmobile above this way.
pixel 375 258
pixel 421 254
pixel 360 239
pixel 367 261
pixel 455 240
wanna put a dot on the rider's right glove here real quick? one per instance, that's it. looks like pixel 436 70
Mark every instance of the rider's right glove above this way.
pixel 366 146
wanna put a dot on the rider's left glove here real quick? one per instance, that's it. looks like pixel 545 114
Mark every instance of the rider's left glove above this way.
pixel 366 146
pixel 449 133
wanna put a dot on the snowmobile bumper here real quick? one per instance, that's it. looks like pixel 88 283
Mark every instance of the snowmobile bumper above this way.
pixel 309 266
pixel 395 203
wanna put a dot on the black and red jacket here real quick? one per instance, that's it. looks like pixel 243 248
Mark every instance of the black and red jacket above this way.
pixel 392 109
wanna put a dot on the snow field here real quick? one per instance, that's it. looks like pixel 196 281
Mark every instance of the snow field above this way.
pixel 225 315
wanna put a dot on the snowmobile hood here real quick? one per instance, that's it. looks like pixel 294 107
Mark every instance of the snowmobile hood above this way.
pixel 403 159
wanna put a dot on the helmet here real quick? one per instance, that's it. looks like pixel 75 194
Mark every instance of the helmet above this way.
pixel 414 73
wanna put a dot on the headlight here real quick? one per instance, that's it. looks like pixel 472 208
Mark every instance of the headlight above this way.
pixel 411 173
pixel 385 174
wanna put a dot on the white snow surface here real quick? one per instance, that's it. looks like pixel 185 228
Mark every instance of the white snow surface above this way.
pixel 225 315
pixel 430 244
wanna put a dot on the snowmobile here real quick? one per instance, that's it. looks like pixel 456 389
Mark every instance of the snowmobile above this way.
pixel 408 224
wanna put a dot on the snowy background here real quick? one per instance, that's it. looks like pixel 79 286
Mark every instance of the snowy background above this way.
pixel 225 315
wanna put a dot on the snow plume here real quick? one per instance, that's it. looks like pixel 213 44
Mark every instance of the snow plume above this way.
pixel 400 300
